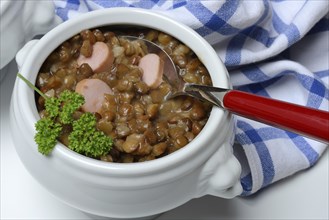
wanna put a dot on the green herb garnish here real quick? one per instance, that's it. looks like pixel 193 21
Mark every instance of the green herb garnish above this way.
pixel 70 102
pixel 47 133
pixel 84 138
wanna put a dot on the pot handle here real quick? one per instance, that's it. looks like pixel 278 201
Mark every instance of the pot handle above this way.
pixel 23 52
pixel 220 175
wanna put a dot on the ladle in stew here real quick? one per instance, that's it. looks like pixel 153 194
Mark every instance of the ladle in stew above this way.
pixel 299 119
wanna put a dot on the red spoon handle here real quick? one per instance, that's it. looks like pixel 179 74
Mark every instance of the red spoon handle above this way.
pixel 299 119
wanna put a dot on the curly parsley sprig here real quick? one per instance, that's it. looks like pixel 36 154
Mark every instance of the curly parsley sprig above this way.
pixel 47 133
pixel 84 138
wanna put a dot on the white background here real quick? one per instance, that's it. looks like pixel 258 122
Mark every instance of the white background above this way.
pixel 302 196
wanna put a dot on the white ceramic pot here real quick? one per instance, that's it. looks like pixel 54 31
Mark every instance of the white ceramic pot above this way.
pixel 204 166
pixel 21 21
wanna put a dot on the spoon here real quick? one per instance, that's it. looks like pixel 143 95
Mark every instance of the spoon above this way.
pixel 299 119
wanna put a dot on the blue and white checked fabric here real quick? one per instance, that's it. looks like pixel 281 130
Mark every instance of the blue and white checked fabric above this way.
pixel 272 48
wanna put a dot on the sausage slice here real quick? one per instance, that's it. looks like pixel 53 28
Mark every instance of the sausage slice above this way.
pixel 101 58
pixel 152 67
pixel 93 91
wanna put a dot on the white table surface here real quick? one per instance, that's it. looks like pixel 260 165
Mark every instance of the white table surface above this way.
pixel 302 196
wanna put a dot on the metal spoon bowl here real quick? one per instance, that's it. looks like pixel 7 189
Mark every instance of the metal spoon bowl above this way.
pixel 170 71
pixel 306 121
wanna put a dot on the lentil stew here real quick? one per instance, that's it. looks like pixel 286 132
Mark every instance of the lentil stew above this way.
pixel 143 125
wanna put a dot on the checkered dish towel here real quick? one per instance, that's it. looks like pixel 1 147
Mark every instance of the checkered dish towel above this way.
pixel 272 48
